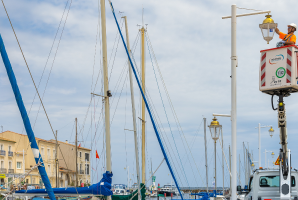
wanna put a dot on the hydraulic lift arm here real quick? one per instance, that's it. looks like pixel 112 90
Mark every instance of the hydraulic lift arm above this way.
pixel 285 155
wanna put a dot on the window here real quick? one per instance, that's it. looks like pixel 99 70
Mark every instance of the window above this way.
pixel 49 153
pixel 87 156
pixel 250 183
pixel 2 164
pixel 273 181
pixel 87 169
pixel 42 151
pixel 80 154
pixel 81 167
pixel 1 147
pixel 10 165
pixel 9 148
pixel 19 165
pixel 54 152
pixel 49 168
pixel 27 180
pixel 33 180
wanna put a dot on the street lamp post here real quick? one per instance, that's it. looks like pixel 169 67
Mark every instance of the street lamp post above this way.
pixel 234 63
pixel 272 154
pixel 271 131
pixel 215 130
pixel 223 165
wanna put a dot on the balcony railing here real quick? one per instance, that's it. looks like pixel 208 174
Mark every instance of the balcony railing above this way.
pixel 3 170
pixel 10 153
pixel 81 171
pixel 10 171
pixel 2 153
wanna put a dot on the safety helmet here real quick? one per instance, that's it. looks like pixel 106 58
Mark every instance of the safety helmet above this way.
pixel 293 25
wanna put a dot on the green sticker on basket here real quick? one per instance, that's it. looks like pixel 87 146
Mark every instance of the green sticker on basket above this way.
pixel 280 72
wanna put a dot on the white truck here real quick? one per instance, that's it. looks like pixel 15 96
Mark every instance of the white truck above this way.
pixel 265 185
pixel 278 75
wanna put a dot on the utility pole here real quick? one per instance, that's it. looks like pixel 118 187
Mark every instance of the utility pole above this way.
pixel 107 92
pixel 143 106
pixel 76 152
pixel 223 166
pixel 230 169
pixel 206 163
pixel 56 159
pixel 133 112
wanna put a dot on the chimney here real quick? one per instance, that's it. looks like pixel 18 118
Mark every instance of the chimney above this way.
pixel 66 141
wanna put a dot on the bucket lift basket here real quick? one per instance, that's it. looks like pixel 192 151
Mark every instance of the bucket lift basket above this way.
pixel 278 70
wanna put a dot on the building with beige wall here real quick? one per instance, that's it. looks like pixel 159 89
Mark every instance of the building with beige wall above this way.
pixel 69 164
pixel 16 159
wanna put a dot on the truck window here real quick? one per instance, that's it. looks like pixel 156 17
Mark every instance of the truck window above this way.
pixel 250 184
pixel 273 181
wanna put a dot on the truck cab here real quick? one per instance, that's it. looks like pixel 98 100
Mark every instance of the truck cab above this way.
pixel 264 185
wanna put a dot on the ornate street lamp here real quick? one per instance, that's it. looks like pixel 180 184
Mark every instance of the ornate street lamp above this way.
pixel 271 131
pixel 215 130
pixel 268 28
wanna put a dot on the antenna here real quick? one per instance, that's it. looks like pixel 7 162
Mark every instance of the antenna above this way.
pixel 142 16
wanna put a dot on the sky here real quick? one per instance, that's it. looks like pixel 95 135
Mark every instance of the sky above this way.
pixel 192 45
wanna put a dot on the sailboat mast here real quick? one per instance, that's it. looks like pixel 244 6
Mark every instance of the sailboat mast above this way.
pixel 133 112
pixel 143 106
pixel 107 92
pixel 206 163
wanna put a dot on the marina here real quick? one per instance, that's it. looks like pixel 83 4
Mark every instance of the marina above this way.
pixel 161 119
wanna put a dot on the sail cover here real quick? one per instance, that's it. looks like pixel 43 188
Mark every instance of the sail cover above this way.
pixel 101 188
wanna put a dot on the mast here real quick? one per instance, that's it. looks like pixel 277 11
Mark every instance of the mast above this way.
pixel 206 163
pixel 143 106
pixel 76 152
pixel 107 92
pixel 133 112
pixel 56 159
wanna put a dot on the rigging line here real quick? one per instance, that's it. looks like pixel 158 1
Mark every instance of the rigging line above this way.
pixel 195 136
pixel 53 61
pixel 115 52
pixel 116 87
pixel 33 80
pixel 117 34
pixel 166 113
pixel 94 56
pixel 172 107
pixel 148 179
pixel 44 67
pixel 125 124
pixel 158 121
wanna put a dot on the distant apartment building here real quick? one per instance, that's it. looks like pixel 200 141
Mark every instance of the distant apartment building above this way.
pixel 16 159
pixel 69 165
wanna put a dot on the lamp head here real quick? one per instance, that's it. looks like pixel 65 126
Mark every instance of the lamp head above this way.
pixel 215 129
pixel 268 28
pixel 271 131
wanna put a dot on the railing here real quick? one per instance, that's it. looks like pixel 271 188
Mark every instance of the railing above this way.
pixel 2 153
pixel 3 170
pixel 10 171
pixel 10 153
pixel 81 171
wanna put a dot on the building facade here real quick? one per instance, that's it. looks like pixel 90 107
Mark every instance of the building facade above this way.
pixel 16 159
pixel 68 164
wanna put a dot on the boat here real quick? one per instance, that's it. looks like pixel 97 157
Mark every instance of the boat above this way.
pixel 169 190
pixel 120 189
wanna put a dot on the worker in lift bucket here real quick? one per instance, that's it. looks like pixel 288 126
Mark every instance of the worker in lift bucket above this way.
pixel 287 39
